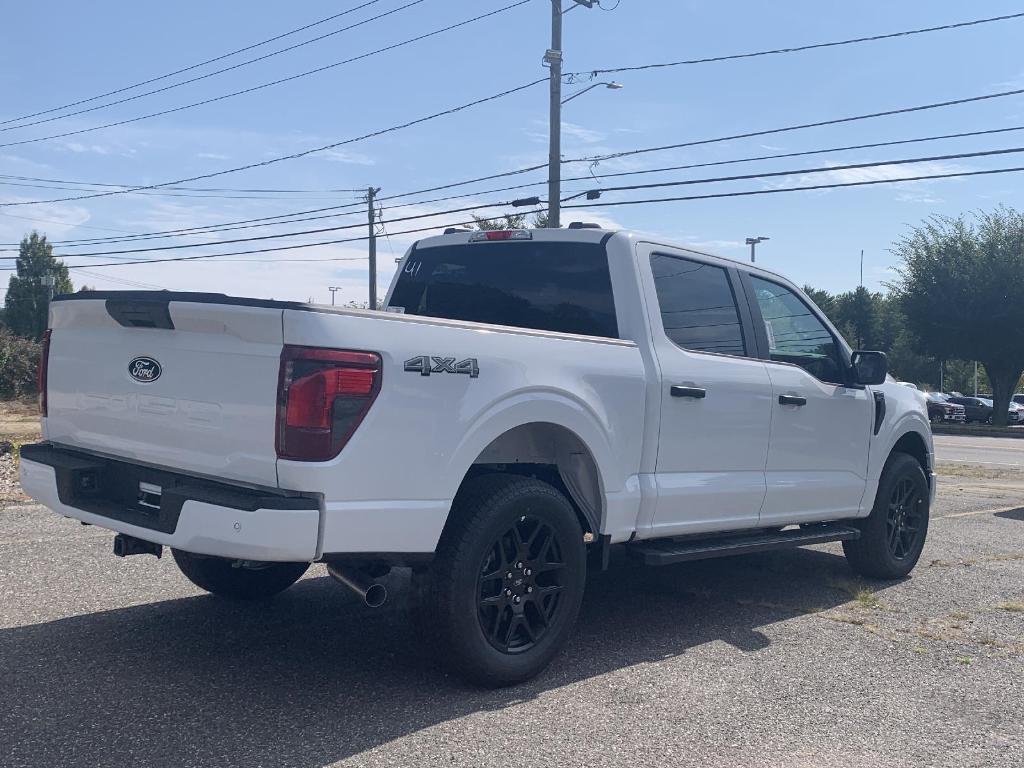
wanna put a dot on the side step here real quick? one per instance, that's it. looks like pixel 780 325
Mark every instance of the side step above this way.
pixel 669 551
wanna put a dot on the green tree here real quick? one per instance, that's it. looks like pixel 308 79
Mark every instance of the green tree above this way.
pixel 957 287
pixel 28 299
pixel 508 221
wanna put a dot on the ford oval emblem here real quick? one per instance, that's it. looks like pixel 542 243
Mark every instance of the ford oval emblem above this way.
pixel 144 369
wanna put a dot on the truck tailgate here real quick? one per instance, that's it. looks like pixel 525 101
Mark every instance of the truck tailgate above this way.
pixel 186 385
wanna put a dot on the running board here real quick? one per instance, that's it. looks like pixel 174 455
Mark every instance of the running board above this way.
pixel 669 551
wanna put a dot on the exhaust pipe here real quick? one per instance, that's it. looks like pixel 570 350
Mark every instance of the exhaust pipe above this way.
pixel 129 545
pixel 373 594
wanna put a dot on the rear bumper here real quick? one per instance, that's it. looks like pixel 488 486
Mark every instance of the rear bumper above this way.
pixel 193 514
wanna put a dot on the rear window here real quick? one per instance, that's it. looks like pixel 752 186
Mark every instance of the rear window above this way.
pixel 563 287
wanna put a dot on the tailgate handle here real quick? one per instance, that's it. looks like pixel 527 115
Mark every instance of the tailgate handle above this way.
pixel 141 313
pixel 678 390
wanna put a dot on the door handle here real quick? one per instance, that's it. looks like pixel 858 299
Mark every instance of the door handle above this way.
pixel 792 400
pixel 698 393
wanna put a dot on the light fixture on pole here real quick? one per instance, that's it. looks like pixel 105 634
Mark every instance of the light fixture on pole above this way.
pixel 752 242
pixel 611 86
pixel 333 289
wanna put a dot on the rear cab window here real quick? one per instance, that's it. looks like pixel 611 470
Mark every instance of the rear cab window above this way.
pixel 562 286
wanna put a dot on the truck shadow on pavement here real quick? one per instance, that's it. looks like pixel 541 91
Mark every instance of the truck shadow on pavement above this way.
pixel 312 678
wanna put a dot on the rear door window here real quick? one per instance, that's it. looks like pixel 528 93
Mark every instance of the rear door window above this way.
pixel 548 286
pixel 697 304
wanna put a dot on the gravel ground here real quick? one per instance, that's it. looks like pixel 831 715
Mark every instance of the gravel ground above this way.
pixel 782 659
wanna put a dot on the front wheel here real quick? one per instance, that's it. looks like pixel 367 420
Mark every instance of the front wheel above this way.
pixel 892 536
pixel 506 583
pixel 238 581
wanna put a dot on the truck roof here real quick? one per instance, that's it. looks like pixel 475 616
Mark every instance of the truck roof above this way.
pixel 595 235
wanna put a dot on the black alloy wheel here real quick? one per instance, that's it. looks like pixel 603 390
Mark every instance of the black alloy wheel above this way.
pixel 520 585
pixel 903 523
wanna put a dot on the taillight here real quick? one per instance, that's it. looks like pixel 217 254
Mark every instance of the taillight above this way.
pixel 492 235
pixel 44 364
pixel 322 397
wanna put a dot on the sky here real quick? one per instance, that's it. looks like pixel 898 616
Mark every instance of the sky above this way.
pixel 62 52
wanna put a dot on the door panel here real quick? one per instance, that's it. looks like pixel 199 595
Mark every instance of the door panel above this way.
pixel 818 456
pixel 821 428
pixel 715 407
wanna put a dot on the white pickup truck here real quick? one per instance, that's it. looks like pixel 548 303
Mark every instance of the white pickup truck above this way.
pixel 528 401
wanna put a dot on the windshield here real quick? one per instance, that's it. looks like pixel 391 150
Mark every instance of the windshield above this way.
pixel 549 286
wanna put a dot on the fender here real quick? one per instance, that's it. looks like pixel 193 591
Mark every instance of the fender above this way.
pixel 536 405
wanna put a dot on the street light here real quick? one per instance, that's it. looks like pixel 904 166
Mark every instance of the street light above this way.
pixel 752 242
pixel 611 86
pixel 333 289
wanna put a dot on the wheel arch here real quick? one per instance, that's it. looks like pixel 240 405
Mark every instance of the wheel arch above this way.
pixel 914 444
pixel 544 429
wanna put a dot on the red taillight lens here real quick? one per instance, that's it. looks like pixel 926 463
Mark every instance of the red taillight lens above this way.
pixel 323 395
pixel 41 374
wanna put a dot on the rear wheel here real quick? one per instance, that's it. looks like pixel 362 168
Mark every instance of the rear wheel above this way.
pixel 892 536
pixel 227 578
pixel 507 580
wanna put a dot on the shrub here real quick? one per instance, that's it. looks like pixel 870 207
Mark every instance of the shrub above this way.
pixel 19 361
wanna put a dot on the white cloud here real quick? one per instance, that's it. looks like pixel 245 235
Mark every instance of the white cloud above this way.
pixel 79 148
pixel 213 156
pixel 352 158
pixel 581 133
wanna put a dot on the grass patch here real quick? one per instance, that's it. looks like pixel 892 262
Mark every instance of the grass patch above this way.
pixel 1011 607
pixel 965 660
pixel 866 599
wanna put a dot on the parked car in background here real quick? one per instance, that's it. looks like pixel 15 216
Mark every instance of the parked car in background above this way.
pixel 1018 399
pixel 975 407
pixel 1015 416
pixel 940 409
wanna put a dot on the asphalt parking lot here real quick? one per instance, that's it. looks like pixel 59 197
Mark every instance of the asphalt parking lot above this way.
pixel 781 659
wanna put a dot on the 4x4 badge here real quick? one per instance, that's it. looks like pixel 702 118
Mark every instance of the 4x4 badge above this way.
pixel 428 364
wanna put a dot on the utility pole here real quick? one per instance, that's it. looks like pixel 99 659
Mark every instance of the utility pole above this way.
pixel 553 58
pixel 372 232
pixel 861 267
pixel 333 289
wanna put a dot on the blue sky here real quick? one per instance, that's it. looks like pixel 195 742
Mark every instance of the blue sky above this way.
pixel 61 52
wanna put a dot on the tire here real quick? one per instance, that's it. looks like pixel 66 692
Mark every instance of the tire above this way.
pixel 893 535
pixel 494 630
pixel 220 577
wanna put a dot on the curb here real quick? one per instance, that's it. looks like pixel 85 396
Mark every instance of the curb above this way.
pixel 978 431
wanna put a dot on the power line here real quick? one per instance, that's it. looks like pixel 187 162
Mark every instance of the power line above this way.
pixel 191 66
pixel 158 193
pixel 182 189
pixel 273 220
pixel 261 86
pixel 60 223
pixel 718 179
pixel 746 193
pixel 200 77
pixel 276 249
pixel 804 153
pixel 257 238
pixel 796 49
pixel 823 169
pixel 802 126
pixel 304 153
pixel 806 188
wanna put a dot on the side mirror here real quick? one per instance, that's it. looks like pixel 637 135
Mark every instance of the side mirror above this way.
pixel 870 367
